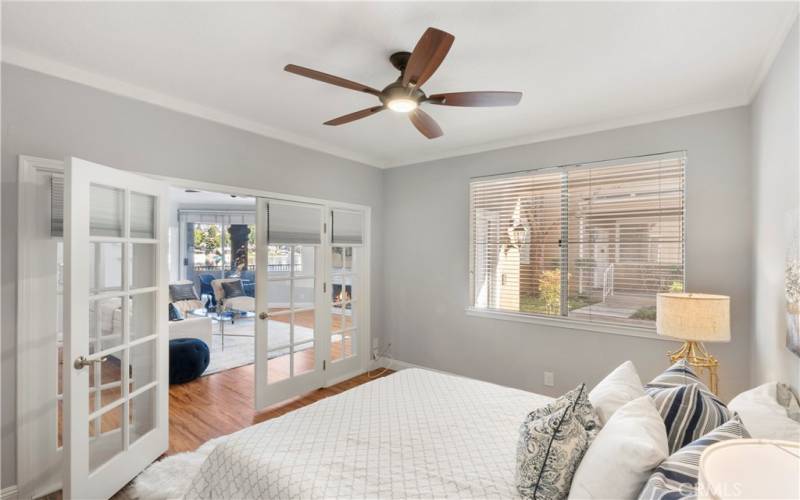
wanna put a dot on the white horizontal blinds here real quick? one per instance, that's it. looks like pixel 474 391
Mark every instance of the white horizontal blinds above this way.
pixel 595 241
pixel 625 236
pixel 57 205
pixel 516 232
pixel 293 223
pixel 347 227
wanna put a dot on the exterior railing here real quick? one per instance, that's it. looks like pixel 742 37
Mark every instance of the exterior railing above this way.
pixel 275 268
pixel 608 281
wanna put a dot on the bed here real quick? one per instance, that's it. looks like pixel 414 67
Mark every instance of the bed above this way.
pixel 413 434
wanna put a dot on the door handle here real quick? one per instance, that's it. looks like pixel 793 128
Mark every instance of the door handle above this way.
pixel 263 315
pixel 82 362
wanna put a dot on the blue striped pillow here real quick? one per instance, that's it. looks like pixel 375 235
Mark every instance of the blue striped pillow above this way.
pixel 676 477
pixel 689 413
pixel 676 375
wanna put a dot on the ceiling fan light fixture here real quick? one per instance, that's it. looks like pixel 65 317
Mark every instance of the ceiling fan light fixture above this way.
pixel 402 105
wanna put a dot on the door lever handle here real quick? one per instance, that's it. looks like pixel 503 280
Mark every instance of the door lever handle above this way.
pixel 263 315
pixel 83 362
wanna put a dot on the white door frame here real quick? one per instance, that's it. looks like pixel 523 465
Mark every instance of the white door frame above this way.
pixel 29 456
pixel 38 458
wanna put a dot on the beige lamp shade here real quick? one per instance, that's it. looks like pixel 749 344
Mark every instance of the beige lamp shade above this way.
pixel 697 317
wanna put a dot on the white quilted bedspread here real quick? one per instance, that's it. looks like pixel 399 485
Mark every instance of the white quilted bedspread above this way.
pixel 413 434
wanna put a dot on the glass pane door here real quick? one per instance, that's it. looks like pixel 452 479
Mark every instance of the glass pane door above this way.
pixel 290 355
pixel 116 379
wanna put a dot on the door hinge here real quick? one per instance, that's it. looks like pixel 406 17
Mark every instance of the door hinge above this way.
pixel 324 364
pixel 324 287
pixel 325 228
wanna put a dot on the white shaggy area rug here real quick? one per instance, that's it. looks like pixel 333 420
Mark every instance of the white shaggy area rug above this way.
pixel 169 478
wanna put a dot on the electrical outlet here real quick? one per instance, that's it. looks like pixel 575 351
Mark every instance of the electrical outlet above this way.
pixel 549 379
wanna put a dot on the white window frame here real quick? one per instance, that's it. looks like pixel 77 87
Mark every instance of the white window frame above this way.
pixel 565 322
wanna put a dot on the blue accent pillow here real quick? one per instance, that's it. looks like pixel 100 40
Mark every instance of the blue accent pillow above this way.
pixel 233 289
pixel 689 408
pixel 174 313
pixel 676 477
pixel 182 291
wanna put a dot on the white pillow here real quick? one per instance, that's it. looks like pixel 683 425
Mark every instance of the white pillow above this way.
pixel 621 386
pixel 763 416
pixel 624 454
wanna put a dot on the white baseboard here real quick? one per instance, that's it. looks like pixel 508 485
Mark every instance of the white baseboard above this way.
pixel 9 493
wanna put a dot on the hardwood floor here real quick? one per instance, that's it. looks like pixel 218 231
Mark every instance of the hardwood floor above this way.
pixel 222 403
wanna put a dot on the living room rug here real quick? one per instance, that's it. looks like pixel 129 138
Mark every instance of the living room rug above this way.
pixel 240 349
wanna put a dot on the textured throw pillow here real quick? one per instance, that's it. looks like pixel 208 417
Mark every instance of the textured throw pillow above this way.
pixel 552 442
pixel 688 412
pixel 620 387
pixel 182 291
pixel 761 411
pixel 233 289
pixel 788 399
pixel 628 447
pixel 174 313
pixel 676 477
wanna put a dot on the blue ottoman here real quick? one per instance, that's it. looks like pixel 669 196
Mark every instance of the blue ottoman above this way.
pixel 188 359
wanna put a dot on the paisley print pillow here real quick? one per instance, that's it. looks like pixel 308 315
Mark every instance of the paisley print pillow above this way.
pixel 552 442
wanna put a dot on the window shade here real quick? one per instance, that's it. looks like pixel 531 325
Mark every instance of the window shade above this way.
pixel 57 205
pixel 346 227
pixel 293 223
pixel 594 241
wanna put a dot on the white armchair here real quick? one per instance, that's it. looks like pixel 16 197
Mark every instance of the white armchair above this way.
pixel 242 303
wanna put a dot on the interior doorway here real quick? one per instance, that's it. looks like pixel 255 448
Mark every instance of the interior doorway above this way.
pixel 313 291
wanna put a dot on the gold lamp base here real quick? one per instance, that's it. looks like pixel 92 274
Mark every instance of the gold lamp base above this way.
pixel 696 355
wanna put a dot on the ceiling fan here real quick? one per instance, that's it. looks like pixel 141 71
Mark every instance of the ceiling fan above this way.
pixel 405 95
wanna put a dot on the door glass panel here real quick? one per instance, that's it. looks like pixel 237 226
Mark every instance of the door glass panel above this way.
pixel 143 364
pixel 142 414
pixel 106 211
pixel 304 323
pixel 105 267
pixel 105 438
pixel 347 344
pixel 304 359
pixel 143 216
pixel 343 304
pixel 105 324
pixel 144 262
pixel 143 315
pixel 105 381
pixel 279 294
pixel 278 366
pixel 303 293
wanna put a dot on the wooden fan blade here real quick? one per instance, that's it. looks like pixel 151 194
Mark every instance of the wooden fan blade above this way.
pixel 333 80
pixel 427 56
pixel 425 124
pixel 355 116
pixel 476 99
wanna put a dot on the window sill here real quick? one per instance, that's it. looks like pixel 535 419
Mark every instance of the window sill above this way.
pixel 570 324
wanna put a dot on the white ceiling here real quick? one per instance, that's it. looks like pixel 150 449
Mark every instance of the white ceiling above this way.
pixel 581 66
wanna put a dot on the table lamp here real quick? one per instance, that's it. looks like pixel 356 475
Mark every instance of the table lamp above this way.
pixel 694 318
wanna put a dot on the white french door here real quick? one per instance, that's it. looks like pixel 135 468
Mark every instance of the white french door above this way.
pixel 116 342
pixel 290 344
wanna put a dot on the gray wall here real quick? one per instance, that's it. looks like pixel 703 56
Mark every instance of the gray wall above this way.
pixel 776 177
pixel 52 118
pixel 426 258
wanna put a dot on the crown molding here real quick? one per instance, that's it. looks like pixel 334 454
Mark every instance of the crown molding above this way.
pixel 781 32
pixel 590 128
pixel 40 64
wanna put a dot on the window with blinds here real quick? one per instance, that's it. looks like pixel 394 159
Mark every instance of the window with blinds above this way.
pixel 593 242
